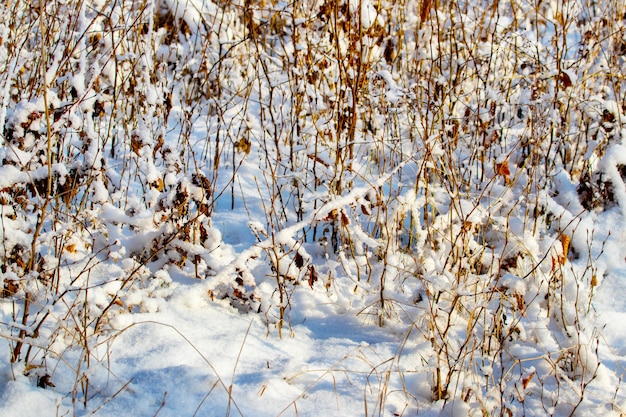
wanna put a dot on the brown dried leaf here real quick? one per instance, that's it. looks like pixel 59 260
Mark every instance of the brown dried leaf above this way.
pixel 10 288
pixel 204 235
pixel 299 260
pixel 243 146
pixel 608 116
pixel 136 144
pixel 45 381
pixel 345 220
pixel 565 241
pixel 237 293
pixel 503 169
pixel 312 275
pixel 526 380
pixel 204 209
pixel 158 184
pixel 158 146
pixel 565 80
pixel 331 216
pixel 424 10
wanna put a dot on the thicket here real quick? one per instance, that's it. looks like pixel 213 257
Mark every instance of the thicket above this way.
pixel 443 161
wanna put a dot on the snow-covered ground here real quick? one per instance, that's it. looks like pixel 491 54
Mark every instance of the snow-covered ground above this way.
pixel 199 357
pixel 341 208
pixel 184 353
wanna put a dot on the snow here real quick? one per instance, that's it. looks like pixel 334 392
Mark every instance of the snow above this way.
pixel 189 355
pixel 234 226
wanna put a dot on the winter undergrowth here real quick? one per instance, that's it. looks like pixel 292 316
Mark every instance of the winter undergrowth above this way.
pixel 436 168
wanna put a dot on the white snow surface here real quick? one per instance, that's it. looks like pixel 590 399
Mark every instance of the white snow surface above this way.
pixel 153 293
pixel 193 356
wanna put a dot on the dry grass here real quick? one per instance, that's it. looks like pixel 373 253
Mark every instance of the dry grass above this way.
pixel 425 148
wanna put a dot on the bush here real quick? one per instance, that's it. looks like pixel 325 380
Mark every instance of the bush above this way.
pixel 439 164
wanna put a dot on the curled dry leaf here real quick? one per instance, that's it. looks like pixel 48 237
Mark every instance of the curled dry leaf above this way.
pixel 502 169
pixel 299 260
pixel 311 275
pixel 526 380
pixel 565 80
pixel 243 146
pixel 565 241
pixel 345 220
